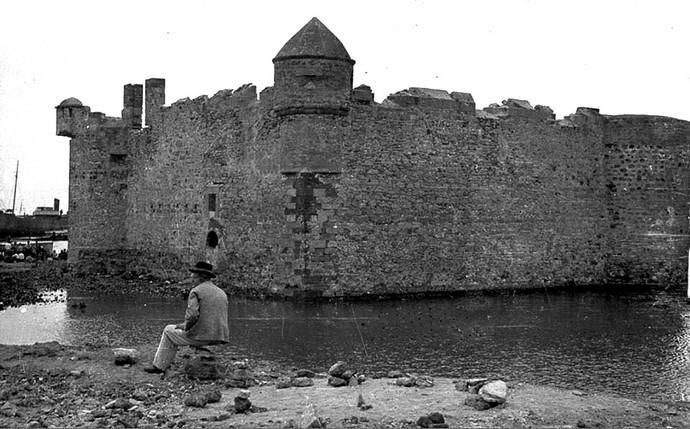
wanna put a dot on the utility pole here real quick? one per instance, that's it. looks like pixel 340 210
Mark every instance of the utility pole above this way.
pixel 14 197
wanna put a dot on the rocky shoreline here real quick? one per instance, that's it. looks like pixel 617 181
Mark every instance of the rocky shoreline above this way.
pixel 55 386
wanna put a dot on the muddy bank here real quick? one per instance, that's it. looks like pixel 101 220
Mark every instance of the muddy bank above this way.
pixel 49 385
pixel 24 283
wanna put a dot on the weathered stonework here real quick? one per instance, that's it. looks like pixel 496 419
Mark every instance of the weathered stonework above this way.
pixel 315 190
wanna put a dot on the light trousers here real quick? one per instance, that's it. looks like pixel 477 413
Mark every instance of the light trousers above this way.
pixel 171 339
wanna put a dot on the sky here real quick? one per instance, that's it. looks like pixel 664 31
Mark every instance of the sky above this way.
pixel 621 56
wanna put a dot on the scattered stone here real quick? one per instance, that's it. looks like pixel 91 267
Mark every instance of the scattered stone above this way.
pixel 255 409
pixel 395 374
pixel 302 382
pixel 579 393
pixel 406 381
pixel 424 422
pixel 240 377
pixel 120 403
pixel 424 381
pixel 125 356
pixel 34 424
pixel 197 400
pixel 140 394
pixel 202 368
pixel 437 418
pixel 472 385
pixel 361 378
pixel 76 373
pixel 241 364
pixel 338 369
pixel 494 392
pixel 305 373
pixel 242 404
pixel 283 383
pixel 476 402
pixel 213 396
pixel 336 381
pixel 581 424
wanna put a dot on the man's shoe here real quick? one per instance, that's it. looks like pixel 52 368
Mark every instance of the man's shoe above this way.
pixel 153 369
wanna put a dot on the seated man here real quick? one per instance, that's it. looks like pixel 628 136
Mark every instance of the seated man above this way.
pixel 205 321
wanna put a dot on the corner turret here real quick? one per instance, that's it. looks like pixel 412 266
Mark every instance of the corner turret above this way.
pixel 71 117
pixel 313 73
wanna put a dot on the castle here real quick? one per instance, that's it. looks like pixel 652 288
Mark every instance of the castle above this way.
pixel 313 189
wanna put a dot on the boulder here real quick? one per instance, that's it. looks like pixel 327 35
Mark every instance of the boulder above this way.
pixel 120 403
pixel 198 400
pixel 336 381
pixel 353 381
pixel 424 422
pixel 437 418
pixel 302 382
pixel 305 373
pixel 242 404
pixel 202 368
pixel 125 356
pixel 406 381
pixel 494 392
pixel 338 369
pixel 473 385
pixel 244 394
pixel 283 383
pixel 213 396
pixel 346 375
pixel 476 402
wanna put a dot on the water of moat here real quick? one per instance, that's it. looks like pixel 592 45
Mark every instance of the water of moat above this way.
pixel 591 341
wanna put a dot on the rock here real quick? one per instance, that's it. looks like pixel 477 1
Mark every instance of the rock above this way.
pixel 241 364
pixel 406 381
pixel 240 377
pixel 244 394
pixel 395 374
pixel 125 356
pixel 494 392
pixel 338 369
pixel 476 402
pixel 242 404
pixel 581 424
pixel 202 368
pixel 346 375
pixel 213 396
pixel 437 418
pixel 34 424
pixel 424 422
pixel 305 373
pixel 352 381
pixel 361 378
pixel 302 382
pixel 424 381
pixel 198 400
pixel 283 383
pixel 76 373
pixel 472 385
pixel 120 403
pixel 336 381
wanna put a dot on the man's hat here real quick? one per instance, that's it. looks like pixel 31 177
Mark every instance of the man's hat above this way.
pixel 203 268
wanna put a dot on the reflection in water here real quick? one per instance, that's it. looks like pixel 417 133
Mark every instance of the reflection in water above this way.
pixel 589 341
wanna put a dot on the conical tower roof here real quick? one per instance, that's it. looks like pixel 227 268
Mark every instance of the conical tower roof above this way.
pixel 314 40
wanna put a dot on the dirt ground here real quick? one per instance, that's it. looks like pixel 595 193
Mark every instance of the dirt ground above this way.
pixel 49 385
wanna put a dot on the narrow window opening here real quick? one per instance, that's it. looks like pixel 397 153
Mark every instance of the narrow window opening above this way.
pixel 212 202
pixel 212 239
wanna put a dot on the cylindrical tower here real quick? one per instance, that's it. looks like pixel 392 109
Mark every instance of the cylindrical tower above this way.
pixel 313 73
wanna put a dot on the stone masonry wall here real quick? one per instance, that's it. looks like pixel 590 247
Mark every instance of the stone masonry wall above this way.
pixel 648 159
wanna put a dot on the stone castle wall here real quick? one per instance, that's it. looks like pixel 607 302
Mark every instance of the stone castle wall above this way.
pixel 314 190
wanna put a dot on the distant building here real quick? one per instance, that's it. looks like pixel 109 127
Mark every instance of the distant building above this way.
pixel 49 211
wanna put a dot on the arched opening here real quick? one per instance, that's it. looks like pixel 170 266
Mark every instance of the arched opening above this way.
pixel 212 239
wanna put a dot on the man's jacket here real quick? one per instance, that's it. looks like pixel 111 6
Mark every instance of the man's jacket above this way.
pixel 206 318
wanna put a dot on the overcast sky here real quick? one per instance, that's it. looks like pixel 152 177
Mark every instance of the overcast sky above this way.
pixel 621 56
